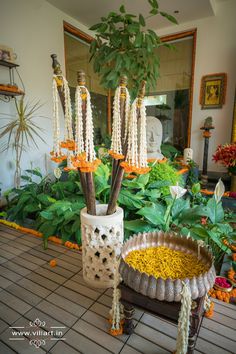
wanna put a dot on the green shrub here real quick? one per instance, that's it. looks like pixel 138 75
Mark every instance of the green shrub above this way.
pixel 165 172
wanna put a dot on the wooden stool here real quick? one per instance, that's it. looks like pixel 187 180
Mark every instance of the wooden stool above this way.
pixel 167 310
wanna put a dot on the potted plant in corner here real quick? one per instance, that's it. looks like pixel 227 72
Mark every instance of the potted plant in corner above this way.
pixel 123 53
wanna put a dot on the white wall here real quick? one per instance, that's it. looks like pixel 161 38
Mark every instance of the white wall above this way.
pixel 34 29
pixel 215 53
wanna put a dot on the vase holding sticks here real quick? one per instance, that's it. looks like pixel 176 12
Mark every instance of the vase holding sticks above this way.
pixel 102 225
pixel 102 239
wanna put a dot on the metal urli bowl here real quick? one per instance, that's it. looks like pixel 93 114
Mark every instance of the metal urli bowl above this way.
pixel 158 288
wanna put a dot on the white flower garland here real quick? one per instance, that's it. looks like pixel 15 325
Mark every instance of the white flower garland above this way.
pixel 56 121
pixel 88 144
pixel 116 139
pixel 116 311
pixel 68 111
pixel 184 320
pixel 79 131
pixel 68 133
pixel 132 152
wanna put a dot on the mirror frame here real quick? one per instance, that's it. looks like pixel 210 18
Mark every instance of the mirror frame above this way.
pixel 169 38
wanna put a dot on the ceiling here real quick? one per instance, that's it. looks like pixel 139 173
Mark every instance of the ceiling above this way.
pixel 89 12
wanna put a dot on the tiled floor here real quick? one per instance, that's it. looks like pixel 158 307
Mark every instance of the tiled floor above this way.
pixel 30 289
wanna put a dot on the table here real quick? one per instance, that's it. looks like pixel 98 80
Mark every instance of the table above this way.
pixel 167 310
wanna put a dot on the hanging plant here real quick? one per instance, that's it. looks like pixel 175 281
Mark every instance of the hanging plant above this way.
pixel 124 46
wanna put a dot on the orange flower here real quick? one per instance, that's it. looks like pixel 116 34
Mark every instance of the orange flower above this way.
pixel 116 332
pixel 115 155
pixel 234 257
pixel 53 263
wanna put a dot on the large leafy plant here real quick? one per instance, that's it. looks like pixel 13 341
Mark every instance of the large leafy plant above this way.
pixel 123 46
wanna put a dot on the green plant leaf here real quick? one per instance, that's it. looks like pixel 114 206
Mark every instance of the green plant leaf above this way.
pixel 199 231
pixel 169 17
pixel 95 27
pixel 122 9
pixel 47 215
pixel 179 206
pixel 47 229
pixel 132 201
pixel 142 20
pixel 215 211
pixel 153 213
pixel 35 173
pixel 138 226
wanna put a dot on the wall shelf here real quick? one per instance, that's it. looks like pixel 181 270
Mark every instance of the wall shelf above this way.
pixel 7 93
pixel 8 64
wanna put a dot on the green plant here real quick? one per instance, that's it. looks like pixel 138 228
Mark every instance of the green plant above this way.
pixel 21 131
pixel 124 47
pixel 169 151
pixel 62 218
pixel 192 177
pixel 165 172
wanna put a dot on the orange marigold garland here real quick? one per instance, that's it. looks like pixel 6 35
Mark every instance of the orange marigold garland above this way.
pixel 231 275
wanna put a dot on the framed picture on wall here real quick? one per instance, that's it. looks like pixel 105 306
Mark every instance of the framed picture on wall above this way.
pixel 213 90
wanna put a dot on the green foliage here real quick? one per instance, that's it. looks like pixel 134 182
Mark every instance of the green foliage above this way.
pixel 169 151
pixel 54 206
pixel 167 173
pixel 61 219
pixel 123 47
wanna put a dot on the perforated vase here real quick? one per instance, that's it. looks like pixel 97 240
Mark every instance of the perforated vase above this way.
pixel 102 239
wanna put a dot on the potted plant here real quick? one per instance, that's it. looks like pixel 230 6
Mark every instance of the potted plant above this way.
pixel 226 155
pixel 102 225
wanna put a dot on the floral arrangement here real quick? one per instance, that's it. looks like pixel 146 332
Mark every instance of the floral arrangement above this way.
pixel 226 155
pixel 128 142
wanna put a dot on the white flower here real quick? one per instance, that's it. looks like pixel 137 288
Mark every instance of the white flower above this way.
pixel 177 191
pixel 57 173
pixel 219 191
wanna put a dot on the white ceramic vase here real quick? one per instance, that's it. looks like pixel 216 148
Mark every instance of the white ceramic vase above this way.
pixel 102 239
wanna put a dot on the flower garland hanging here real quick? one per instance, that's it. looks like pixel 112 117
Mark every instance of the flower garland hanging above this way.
pixel 68 142
pixel 85 158
pixel 136 158
pixel 116 150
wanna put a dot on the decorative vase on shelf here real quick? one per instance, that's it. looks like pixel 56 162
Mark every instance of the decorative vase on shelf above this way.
pixel 102 239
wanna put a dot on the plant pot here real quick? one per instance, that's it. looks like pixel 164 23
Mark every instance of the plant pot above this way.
pixel 102 239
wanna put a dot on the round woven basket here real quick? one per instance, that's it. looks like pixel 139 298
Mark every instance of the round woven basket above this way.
pixel 158 288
